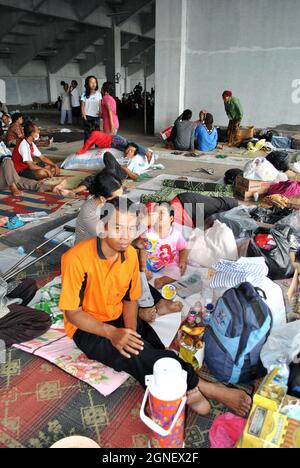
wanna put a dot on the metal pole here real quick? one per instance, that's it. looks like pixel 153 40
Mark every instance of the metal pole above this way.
pixel 145 98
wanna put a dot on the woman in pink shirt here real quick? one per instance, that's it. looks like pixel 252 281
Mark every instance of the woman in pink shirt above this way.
pixel 109 110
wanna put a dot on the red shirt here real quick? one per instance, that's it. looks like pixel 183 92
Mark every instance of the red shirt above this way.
pixel 100 139
pixel 24 153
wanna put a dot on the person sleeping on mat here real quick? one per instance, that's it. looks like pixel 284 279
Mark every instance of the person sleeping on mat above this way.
pixel 136 165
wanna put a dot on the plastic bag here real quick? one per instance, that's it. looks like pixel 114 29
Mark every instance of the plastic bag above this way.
pixel 278 260
pixel 226 431
pixel 261 169
pixel 284 341
pixel 239 221
pixel 270 216
pixel 208 247
pixel 231 175
pixel 280 160
pixel 292 220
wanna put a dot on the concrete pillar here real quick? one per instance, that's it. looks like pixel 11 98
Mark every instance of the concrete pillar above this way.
pixel 114 60
pixel 2 91
pixel 127 82
pixel 52 88
pixel 170 61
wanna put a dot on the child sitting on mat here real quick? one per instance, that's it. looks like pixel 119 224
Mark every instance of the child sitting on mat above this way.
pixel 166 251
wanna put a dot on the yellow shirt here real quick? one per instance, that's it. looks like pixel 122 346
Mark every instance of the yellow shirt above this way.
pixel 92 282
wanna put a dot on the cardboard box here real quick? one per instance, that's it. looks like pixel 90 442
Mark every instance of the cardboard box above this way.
pixel 246 189
pixel 267 426
pixel 247 185
pixel 265 429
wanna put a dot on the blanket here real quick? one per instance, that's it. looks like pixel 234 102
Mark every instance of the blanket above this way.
pixel 172 189
pixel 61 351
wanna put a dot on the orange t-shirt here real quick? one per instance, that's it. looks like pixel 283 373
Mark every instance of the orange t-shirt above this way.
pixel 92 282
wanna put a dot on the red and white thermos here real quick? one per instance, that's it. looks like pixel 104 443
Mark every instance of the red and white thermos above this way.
pixel 166 393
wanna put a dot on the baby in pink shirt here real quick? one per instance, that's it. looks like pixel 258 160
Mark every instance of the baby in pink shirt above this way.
pixel 166 248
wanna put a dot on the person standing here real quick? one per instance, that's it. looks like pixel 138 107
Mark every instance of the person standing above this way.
pixel 109 110
pixel 75 101
pixel 235 113
pixel 90 105
pixel 66 109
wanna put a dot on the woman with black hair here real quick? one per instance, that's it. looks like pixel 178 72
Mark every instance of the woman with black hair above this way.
pixel 105 186
pixel 15 132
pixel 206 135
pixel 109 109
pixel 90 105
pixel 183 133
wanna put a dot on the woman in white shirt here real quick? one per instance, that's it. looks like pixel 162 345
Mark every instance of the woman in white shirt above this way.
pixel 90 105
pixel 66 109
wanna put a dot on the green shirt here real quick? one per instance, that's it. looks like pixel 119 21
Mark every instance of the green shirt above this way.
pixel 234 109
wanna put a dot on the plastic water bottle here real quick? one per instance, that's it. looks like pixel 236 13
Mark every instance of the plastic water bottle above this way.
pixel 21 251
pixel 283 376
pixel 194 316
pixel 207 313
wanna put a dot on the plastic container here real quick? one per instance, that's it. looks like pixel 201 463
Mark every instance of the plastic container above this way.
pixel 166 393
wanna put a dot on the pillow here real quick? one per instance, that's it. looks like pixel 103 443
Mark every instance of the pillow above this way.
pixel 92 160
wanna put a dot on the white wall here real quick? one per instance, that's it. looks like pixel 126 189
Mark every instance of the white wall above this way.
pixel 251 48
pixel 28 87
pixel 32 85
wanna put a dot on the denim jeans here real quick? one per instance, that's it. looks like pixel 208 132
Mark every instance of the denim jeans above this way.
pixel 64 115
pixel 120 143
pixel 87 129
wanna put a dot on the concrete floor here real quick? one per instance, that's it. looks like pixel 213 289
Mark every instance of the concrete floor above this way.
pixel 133 130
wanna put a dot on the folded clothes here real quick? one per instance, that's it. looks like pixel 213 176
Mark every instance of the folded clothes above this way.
pixel 231 274
pixel 289 189
pixel 279 201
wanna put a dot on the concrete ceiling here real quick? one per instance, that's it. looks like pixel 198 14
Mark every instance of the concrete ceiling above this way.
pixel 64 31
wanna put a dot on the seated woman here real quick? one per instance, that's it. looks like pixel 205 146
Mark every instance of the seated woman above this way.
pixel 183 133
pixel 206 135
pixel 15 132
pixel 202 116
pixel 106 187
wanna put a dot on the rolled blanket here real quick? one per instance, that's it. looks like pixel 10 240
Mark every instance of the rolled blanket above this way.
pixel 23 324
pixel 200 187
